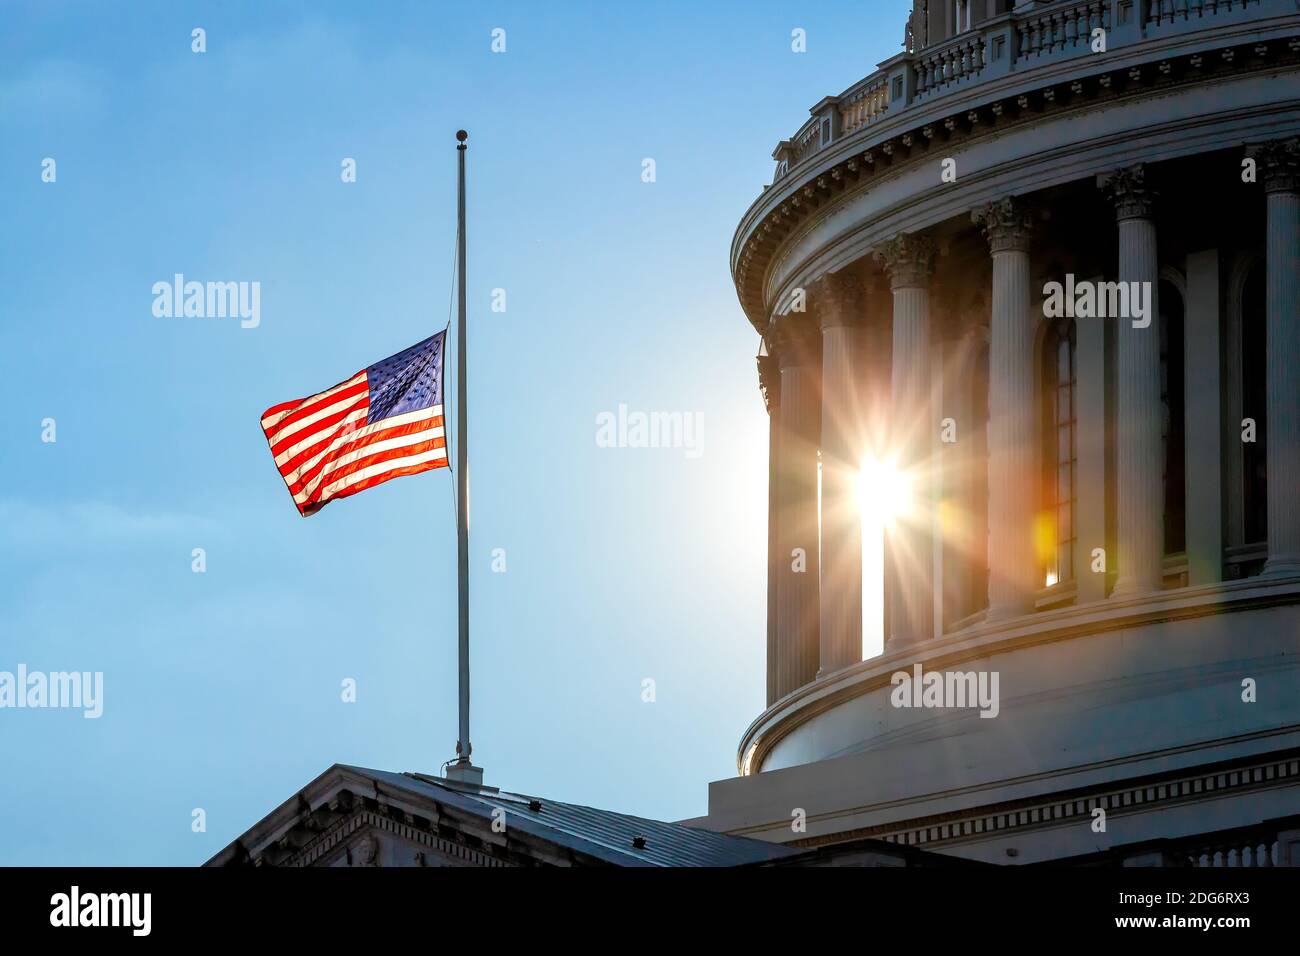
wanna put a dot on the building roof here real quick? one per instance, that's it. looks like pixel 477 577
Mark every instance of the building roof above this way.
pixel 582 834
pixel 601 833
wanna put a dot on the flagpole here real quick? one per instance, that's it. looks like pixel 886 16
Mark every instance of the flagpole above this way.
pixel 461 769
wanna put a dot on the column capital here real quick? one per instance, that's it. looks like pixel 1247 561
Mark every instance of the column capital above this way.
pixel 908 258
pixel 1007 224
pixel 796 341
pixel 1128 189
pixel 769 381
pixel 838 299
pixel 1279 161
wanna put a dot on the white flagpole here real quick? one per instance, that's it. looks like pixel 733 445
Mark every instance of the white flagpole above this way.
pixel 462 769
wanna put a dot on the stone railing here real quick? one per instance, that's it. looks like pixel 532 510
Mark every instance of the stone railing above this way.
pixel 954 60
pixel 1268 844
pixel 1002 46
pixel 1263 853
pixel 806 142
pixel 863 103
pixel 1158 11
pixel 1271 843
pixel 1064 27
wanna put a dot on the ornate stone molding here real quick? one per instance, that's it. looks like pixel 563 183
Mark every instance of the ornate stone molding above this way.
pixel 1129 191
pixel 838 300
pixel 875 149
pixel 797 340
pixel 909 260
pixel 1279 161
pixel 338 838
pixel 1026 814
pixel 1007 224
pixel 769 381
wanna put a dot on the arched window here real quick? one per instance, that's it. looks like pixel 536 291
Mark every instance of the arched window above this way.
pixel 1060 458
pixel 1173 419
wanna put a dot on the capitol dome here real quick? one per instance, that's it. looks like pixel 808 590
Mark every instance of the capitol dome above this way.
pixel 1029 303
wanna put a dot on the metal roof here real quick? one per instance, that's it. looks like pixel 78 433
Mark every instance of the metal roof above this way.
pixel 601 833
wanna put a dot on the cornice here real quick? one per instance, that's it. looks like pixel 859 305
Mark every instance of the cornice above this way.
pixel 327 812
pixel 1042 94
pixel 388 819
pixel 1157 792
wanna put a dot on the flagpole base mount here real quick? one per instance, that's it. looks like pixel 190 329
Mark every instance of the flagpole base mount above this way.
pixel 462 771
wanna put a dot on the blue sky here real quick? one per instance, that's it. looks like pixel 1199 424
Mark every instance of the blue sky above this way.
pixel 222 689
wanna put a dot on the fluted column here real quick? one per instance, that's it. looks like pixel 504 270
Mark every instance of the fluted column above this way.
pixel 798 613
pixel 908 260
pixel 839 302
pixel 769 382
pixel 1139 467
pixel 1280 162
pixel 1013 414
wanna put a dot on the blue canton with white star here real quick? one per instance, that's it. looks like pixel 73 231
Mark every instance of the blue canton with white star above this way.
pixel 408 381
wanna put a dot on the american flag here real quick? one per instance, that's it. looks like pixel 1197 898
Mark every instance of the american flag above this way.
pixel 382 423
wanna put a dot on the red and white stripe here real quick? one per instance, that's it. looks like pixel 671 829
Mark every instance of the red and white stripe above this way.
pixel 325 450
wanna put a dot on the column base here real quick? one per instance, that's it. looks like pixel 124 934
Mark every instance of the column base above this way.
pixel 900 642
pixel 1131 587
pixel 1007 612
pixel 1281 566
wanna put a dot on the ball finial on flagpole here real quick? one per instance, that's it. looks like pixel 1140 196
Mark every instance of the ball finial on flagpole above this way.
pixel 461 136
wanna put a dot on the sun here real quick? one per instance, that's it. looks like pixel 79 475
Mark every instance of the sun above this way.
pixel 884 498
pixel 884 494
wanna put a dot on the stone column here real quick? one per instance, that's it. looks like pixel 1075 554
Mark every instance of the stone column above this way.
pixel 1139 465
pixel 839 302
pixel 1280 162
pixel 1013 414
pixel 769 382
pixel 908 260
pixel 798 354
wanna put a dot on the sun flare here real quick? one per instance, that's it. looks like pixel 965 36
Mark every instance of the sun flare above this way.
pixel 884 495
pixel 884 498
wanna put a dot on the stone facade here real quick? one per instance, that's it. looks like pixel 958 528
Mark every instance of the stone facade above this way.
pixel 1087 216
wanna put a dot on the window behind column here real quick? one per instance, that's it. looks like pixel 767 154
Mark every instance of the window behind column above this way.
pixel 1245 459
pixel 979 497
pixel 1254 401
pixel 1059 450
pixel 1173 424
